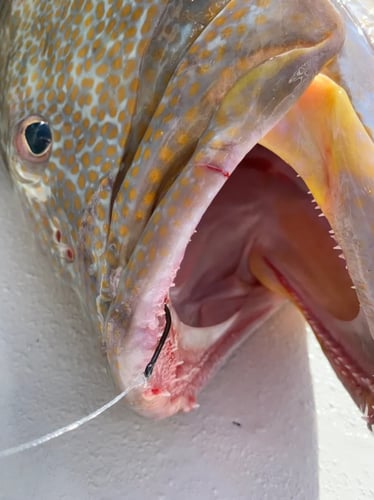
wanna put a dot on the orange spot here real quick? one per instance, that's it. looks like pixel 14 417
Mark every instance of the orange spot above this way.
pixel 154 175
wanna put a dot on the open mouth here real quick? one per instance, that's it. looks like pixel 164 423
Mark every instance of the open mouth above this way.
pixel 270 233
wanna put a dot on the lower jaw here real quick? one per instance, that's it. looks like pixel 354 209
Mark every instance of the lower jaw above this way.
pixel 184 367
pixel 177 379
pixel 356 376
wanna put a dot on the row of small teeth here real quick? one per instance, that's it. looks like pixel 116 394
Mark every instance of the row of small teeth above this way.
pixel 337 247
pixel 347 366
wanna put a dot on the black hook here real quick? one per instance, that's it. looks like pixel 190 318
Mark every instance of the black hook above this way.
pixel 149 368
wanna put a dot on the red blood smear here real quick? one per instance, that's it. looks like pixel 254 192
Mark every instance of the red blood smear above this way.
pixel 219 170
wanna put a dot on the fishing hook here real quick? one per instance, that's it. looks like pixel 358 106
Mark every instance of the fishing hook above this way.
pixel 149 368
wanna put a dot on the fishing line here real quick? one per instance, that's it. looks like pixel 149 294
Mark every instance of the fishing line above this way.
pixel 138 382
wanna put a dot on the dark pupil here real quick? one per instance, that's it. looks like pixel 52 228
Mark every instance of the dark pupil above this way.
pixel 38 136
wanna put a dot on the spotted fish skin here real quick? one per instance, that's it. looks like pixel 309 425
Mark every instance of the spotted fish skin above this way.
pixel 84 81
pixel 99 88
pixel 141 97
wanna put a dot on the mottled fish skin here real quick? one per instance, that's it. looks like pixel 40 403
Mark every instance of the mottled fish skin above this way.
pixel 96 71
pixel 141 97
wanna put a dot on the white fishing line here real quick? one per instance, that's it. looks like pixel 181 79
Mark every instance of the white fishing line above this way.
pixel 138 382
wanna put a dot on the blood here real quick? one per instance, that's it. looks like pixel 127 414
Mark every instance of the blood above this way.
pixel 219 170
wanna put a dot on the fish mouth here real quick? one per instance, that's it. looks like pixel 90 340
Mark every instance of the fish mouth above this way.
pixel 287 223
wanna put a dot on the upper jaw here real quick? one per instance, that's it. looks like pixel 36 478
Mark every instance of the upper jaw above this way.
pixel 335 157
pixel 158 191
pixel 336 160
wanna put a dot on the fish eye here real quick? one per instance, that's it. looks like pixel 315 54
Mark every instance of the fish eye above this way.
pixel 34 139
pixel 39 137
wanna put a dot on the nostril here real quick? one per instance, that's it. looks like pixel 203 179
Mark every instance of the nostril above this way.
pixel 69 254
pixel 58 236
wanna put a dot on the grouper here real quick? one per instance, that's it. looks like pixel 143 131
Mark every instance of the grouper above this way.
pixel 189 166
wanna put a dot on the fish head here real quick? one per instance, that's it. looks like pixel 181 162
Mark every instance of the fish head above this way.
pixel 65 119
pixel 154 146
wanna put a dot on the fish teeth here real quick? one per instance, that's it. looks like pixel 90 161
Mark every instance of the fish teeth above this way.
pixel 341 256
pixel 332 236
pixel 337 247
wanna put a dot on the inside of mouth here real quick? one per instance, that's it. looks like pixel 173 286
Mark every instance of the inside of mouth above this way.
pixel 262 225
pixel 264 240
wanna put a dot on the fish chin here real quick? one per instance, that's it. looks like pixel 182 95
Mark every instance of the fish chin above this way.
pixel 276 230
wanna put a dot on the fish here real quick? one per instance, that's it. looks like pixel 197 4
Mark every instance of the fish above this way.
pixel 191 166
